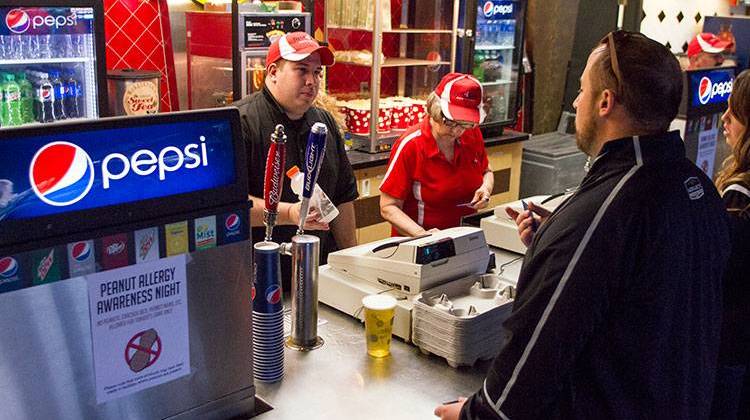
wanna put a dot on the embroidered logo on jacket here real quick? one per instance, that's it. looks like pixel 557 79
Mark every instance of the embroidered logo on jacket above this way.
pixel 694 188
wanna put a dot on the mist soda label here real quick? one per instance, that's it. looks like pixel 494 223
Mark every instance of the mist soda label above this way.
pixel 176 237
pixel 146 245
pixel 205 233
pixel 45 266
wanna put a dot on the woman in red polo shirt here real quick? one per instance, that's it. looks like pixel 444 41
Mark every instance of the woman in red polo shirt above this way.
pixel 438 170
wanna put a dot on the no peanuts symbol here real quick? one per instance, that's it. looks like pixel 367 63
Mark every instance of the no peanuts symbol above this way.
pixel 143 350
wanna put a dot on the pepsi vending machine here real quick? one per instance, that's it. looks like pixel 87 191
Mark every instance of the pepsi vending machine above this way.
pixel 704 99
pixel 51 61
pixel 125 269
pixel 491 48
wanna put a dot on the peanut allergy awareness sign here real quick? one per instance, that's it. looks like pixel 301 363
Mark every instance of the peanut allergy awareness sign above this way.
pixel 139 326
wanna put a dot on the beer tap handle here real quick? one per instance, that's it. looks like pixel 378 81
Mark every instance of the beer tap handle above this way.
pixel 273 182
pixel 316 148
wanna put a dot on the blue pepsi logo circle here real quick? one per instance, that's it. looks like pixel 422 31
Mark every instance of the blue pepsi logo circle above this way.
pixel 81 251
pixel 704 90
pixel 232 223
pixel 18 21
pixel 61 173
pixel 8 267
pixel 273 294
pixel 487 8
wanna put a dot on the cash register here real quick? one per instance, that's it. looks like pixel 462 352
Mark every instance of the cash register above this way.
pixel 502 231
pixel 403 267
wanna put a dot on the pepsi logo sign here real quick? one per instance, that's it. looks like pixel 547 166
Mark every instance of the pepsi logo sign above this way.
pixel 490 9
pixel 232 223
pixel 707 89
pixel 8 267
pixel 81 251
pixel 61 173
pixel 273 294
pixel 17 21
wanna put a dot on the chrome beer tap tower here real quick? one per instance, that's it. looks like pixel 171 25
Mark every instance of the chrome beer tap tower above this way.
pixel 305 252
pixel 304 249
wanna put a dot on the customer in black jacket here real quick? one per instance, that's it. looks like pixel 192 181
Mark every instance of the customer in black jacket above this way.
pixel 619 299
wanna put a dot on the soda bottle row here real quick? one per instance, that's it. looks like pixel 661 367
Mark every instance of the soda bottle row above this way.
pixel 496 33
pixel 489 65
pixel 29 47
pixel 42 95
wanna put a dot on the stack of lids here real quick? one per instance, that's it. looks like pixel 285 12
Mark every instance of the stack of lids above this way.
pixel 461 321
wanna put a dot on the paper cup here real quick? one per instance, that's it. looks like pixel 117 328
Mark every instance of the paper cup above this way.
pixel 358 117
pixel 400 119
pixel 379 312
pixel 384 117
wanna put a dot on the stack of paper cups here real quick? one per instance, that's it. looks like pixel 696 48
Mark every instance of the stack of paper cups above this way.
pixel 268 314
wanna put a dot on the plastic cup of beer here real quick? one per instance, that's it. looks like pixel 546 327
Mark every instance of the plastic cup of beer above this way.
pixel 379 311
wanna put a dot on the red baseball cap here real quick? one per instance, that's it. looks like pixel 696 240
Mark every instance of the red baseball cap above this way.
pixel 461 98
pixel 297 46
pixel 707 42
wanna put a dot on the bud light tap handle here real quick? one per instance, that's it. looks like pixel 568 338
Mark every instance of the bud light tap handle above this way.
pixel 316 147
pixel 272 186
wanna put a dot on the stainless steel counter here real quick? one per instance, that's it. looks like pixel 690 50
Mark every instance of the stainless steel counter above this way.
pixel 340 381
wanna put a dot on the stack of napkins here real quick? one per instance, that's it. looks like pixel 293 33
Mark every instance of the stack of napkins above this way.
pixel 461 321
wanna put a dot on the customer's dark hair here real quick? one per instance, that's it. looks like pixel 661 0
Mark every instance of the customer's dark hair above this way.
pixel 649 83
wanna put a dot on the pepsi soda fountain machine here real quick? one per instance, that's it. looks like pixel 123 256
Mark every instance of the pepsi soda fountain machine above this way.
pixel 125 269
pixel 52 65
pixel 704 99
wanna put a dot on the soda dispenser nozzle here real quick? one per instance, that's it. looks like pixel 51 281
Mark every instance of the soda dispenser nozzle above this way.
pixel 316 148
pixel 273 185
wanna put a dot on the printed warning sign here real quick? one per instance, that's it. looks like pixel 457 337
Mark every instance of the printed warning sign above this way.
pixel 139 326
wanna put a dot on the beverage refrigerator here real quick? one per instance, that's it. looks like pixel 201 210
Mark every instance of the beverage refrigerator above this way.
pixel 52 65
pixel 125 264
pixel 490 46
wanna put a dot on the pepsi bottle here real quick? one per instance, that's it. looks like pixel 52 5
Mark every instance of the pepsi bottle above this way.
pixel 73 100
pixel 44 98
pixel 58 96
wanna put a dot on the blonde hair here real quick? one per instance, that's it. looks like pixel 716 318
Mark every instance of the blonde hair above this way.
pixel 328 103
pixel 433 107
pixel 736 167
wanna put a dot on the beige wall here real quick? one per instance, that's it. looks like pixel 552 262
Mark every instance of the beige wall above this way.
pixel 672 30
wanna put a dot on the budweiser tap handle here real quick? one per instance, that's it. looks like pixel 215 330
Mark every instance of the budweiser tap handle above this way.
pixel 316 148
pixel 274 177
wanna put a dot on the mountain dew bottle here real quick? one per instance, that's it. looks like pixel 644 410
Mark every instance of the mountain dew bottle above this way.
pixel 10 107
pixel 27 97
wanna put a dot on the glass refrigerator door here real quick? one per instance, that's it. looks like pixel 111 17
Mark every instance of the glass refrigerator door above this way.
pixel 496 54
pixel 48 67
pixel 254 71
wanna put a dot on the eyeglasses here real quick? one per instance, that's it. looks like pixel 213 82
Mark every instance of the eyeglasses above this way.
pixel 611 40
pixel 453 124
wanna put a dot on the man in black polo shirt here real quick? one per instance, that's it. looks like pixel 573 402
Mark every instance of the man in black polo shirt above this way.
pixel 294 65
